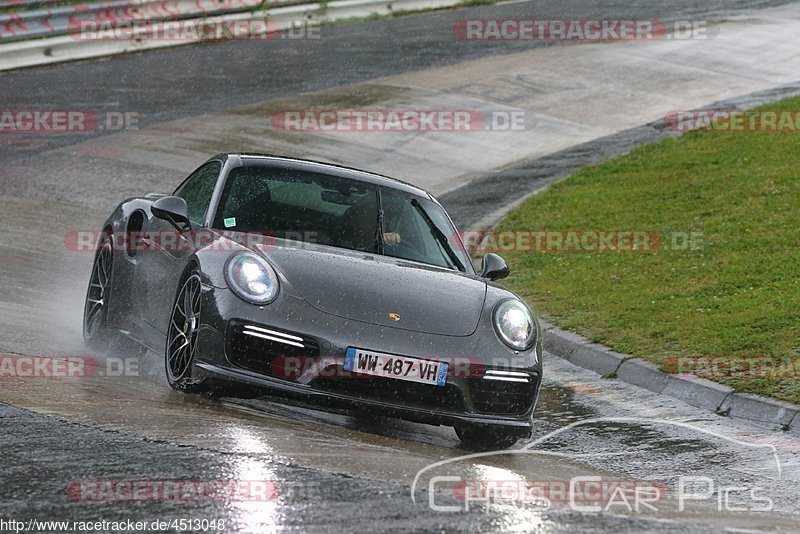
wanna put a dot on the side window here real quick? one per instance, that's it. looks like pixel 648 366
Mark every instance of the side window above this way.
pixel 198 189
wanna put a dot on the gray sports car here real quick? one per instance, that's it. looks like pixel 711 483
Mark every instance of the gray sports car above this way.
pixel 330 284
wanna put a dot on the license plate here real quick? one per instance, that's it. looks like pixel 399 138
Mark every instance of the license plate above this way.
pixel 400 367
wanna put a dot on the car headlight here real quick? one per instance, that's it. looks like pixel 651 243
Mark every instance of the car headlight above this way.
pixel 252 278
pixel 514 324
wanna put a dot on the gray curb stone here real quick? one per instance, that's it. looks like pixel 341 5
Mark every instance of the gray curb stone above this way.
pixel 561 342
pixel 643 374
pixel 794 425
pixel 596 357
pixel 697 392
pixel 755 408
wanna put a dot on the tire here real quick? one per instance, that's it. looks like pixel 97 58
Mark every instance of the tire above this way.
pixel 96 332
pixel 479 438
pixel 181 343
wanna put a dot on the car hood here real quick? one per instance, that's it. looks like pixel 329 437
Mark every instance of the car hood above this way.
pixel 382 290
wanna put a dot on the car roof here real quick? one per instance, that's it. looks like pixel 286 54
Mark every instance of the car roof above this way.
pixel 249 159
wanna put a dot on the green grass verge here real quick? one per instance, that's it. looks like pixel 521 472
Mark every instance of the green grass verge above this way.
pixel 738 295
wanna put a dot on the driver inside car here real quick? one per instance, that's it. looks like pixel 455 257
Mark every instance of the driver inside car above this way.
pixel 393 212
pixel 392 238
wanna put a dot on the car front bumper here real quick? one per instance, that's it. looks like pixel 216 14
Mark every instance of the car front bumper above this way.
pixel 478 390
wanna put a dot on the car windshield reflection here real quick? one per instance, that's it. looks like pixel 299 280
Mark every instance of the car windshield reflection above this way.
pixel 339 212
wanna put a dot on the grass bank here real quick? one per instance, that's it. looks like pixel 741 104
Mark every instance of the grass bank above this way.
pixel 733 296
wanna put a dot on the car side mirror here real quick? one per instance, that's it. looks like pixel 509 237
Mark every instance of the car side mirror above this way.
pixel 174 210
pixel 494 267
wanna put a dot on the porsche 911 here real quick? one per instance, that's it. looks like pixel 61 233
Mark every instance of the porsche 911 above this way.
pixel 338 286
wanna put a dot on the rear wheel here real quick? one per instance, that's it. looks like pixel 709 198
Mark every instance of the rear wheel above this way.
pixel 182 335
pixel 485 439
pixel 95 311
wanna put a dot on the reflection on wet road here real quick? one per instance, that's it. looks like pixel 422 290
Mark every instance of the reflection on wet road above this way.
pixel 265 436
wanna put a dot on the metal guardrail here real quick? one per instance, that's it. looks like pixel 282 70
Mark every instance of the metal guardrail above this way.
pixel 62 20
pixel 282 15
pixel 30 4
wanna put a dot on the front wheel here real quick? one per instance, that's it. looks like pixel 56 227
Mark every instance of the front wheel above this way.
pixel 182 335
pixel 95 309
pixel 485 439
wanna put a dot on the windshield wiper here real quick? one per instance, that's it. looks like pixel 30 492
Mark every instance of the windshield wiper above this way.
pixel 439 235
pixel 379 239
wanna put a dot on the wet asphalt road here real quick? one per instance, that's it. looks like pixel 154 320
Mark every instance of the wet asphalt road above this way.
pixel 333 472
pixel 167 84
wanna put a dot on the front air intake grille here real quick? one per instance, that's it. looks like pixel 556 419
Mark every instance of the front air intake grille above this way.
pixel 400 392
pixel 264 349
pixel 503 392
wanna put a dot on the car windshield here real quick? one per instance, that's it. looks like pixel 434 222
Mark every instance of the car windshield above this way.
pixel 339 212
